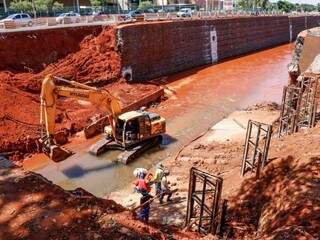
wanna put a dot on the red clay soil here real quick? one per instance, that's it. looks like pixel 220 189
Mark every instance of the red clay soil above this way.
pixel 285 202
pixel 46 211
pixel 96 63
pixel 22 51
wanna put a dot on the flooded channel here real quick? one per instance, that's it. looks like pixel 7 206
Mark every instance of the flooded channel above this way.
pixel 198 98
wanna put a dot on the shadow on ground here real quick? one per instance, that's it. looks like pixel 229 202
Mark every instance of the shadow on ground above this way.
pixel 283 204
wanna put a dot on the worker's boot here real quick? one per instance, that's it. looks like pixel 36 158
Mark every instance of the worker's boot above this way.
pixel 169 197
pixel 161 198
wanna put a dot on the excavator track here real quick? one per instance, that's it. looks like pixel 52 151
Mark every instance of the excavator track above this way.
pixel 101 146
pixel 128 155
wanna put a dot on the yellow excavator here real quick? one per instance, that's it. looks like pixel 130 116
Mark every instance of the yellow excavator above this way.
pixel 132 132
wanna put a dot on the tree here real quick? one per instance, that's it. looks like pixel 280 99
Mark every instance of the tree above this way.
pixel 98 3
pixel 286 6
pixel 308 7
pixel 318 7
pixel 21 6
pixel 41 5
pixel 144 5
pixel 47 6
pixel 253 4
pixel 57 6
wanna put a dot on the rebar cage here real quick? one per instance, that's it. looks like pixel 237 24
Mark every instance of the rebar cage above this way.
pixel 203 201
pixel 256 148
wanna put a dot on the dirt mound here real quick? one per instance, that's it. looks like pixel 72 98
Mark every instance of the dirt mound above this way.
pixel 284 203
pixel 96 61
pixel 32 51
pixel 46 211
pixel 19 116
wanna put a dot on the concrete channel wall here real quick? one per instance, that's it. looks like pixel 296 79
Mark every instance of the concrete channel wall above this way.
pixel 151 50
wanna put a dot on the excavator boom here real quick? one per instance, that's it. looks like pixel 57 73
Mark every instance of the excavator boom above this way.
pixel 49 94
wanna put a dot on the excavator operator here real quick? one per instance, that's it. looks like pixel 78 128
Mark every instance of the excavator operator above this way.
pixel 131 131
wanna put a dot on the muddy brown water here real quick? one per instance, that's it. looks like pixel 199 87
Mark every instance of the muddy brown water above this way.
pixel 199 98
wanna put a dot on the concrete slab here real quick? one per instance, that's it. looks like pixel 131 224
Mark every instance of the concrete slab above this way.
pixel 234 126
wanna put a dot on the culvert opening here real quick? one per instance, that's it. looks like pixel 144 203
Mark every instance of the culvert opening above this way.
pixel 127 74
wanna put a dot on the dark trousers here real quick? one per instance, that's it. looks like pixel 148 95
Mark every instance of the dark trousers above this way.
pixel 144 214
pixel 163 193
pixel 158 187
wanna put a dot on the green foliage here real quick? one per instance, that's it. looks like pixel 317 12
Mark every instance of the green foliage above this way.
pixel 144 5
pixel 307 7
pixel 47 5
pixel 98 3
pixel 42 5
pixel 57 6
pixel 253 4
pixel 39 6
pixel 318 7
pixel 21 6
pixel 286 6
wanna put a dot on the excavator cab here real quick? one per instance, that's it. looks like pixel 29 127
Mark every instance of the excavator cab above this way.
pixel 135 132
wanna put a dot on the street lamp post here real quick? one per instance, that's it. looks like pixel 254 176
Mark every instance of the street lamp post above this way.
pixel 5 6
pixel 78 7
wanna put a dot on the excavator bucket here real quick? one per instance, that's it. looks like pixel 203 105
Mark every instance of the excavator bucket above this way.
pixel 58 154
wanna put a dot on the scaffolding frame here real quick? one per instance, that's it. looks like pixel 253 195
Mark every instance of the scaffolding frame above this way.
pixel 308 104
pixel 299 105
pixel 257 142
pixel 203 202
pixel 289 110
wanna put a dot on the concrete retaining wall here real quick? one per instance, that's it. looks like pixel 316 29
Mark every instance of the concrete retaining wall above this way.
pixel 240 36
pixel 313 21
pixel 300 23
pixel 297 24
pixel 152 50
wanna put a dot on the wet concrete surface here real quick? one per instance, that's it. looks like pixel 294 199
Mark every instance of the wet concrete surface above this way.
pixel 198 99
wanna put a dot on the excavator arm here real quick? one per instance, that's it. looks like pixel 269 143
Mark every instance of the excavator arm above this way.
pixel 49 94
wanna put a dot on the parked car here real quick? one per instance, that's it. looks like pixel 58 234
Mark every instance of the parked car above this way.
pixel 75 17
pixel 133 14
pixel 184 12
pixel 98 16
pixel 150 10
pixel 21 19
